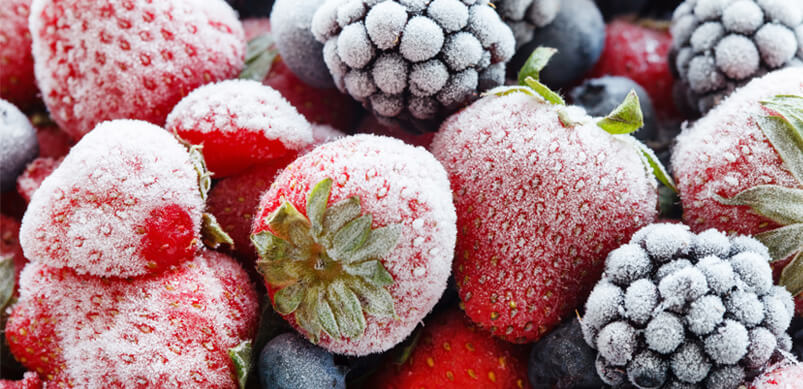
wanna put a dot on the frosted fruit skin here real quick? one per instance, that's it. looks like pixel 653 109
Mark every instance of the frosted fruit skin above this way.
pixel 17 83
pixel 726 152
pixel 96 211
pixel 396 184
pixel 539 206
pixel 167 330
pixel 132 63
pixel 240 123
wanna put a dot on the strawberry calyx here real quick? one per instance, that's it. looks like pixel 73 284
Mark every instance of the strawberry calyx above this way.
pixel 326 266
pixel 783 127
pixel 7 283
pixel 260 52
pixel 240 356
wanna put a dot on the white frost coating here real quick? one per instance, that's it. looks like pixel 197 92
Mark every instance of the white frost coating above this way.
pixel 718 273
pixel 627 264
pixel 396 183
pixel 354 47
pixel 745 307
pixel 689 363
pixel 233 107
pixel 665 241
pixel 602 307
pixel 743 16
pixel 664 333
pixel 422 39
pixel 787 12
pixel 706 36
pixel 762 345
pixel 684 285
pixel 777 316
pixel 703 75
pixel 390 71
pixel 737 56
pixel 385 23
pixel 461 51
pixel 141 345
pixel 776 43
pixel 710 9
pixel 87 213
pixel 753 271
pixel 428 77
pixel 641 298
pixel 728 344
pixel 705 314
pixel 359 83
pixel 617 342
pixel 129 72
pixel 451 15
pixel 711 242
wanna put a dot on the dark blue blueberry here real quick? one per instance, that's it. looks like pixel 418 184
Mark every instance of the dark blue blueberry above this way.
pixel 18 144
pixel 611 8
pixel 251 8
pixel 290 23
pixel 562 359
pixel 289 361
pixel 578 32
pixel 599 96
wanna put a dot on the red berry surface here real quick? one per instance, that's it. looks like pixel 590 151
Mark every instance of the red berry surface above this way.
pixel 31 179
pixel 17 83
pixel 29 381
pixel 789 376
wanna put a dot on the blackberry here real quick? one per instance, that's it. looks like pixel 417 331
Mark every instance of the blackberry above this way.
pixel 719 46
pixel 18 144
pixel 413 60
pixel 675 309
pixel 525 16
pixel 562 359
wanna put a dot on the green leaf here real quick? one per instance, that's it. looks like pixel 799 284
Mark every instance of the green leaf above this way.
pixel 780 204
pixel 326 318
pixel 372 272
pixel 306 314
pixel 341 213
pixel 376 300
pixel 624 119
pixel 347 309
pixel 287 299
pixel 290 224
pixel 280 274
pixel 259 56
pixel 505 90
pixel 544 91
pixel 352 236
pixel 6 282
pixel 316 204
pixel 784 133
pixel 380 243
pixel 792 275
pixel 783 241
pixel 212 233
pixel 536 62
pixel 241 359
pixel 269 247
pixel 652 162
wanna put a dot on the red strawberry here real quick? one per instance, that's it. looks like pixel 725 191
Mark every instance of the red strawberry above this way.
pixel 172 329
pixel 324 106
pixel 240 124
pixel 29 381
pixel 126 201
pixel 356 284
pixel 539 205
pixel 31 179
pixel 739 170
pixel 17 83
pixel 53 142
pixel 639 52
pixel 10 243
pixel 452 353
pixel 132 59
pixel 788 376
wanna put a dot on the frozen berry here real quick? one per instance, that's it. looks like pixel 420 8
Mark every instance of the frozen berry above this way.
pixel 18 144
pixel 17 83
pixel 562 359
pixel 600 96
pixel 289 361
pixel 291 22
pixel 525 17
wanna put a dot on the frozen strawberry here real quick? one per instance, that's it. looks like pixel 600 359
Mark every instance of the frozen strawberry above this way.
pixel 785 376
pixel 452 353
pixel 17 83
pixel 239 124
pixel 9 243
pixel 126 201
pixel 172 329
pixel 29 381
pixel 31 179
pixel 318 105
pixel 639 52
pixel 53 142
pixel 131 59
pixel 541 198
pixel 356 241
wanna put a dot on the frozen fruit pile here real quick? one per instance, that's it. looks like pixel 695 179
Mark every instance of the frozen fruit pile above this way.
pixel 401 194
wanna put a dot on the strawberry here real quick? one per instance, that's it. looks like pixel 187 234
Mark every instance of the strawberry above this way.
pixel 29 381
pixel 639 51
pixel 450 352
pixel 10 244
pixel 355 241
pixel 17 83
pixel 126 201
pixel 739 170
pixel 31 179
pixel 239 123
pixel 787 376
pixel 53 142
pixel 318 105
pixel 172 329
pixel 541 198
pixel 11 263
pixel 132 59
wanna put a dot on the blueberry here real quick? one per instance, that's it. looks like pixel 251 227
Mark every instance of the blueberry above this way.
pixel 251 8
pixel 290 23
pixel 599 96
pixel 18 144
pixel 291 362
pixel 562 359
pixel 578 32
pixel 611 8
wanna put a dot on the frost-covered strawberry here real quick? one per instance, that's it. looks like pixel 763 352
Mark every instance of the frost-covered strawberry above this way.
pixel 126 201
pixel 240 124
pixel 356 241
pixel 31 179
pixel 53 142
pixel 172 329
pixel 541 198
pixel 30 381
pixel 129 60
pixel 17 83
pixel 739 168
pixel 787 375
